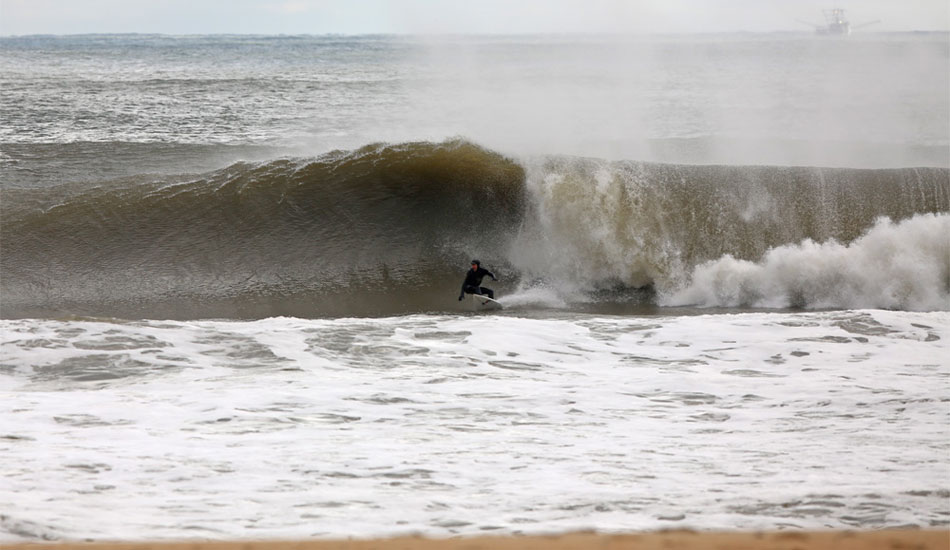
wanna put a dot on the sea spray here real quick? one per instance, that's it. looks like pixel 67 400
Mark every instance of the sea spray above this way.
pixel 594 225
pixel 904 265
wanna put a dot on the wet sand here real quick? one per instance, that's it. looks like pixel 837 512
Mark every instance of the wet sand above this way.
pixel 666 540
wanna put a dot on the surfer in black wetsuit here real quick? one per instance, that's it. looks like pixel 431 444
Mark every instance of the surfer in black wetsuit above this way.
pixel 473 281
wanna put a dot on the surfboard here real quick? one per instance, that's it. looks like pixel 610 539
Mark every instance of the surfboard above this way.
pixel 485 303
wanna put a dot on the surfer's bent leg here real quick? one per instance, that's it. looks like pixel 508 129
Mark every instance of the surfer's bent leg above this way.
pixel 487 292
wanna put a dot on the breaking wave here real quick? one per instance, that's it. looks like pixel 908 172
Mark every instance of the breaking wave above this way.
pixel 389 229
pixel 902 265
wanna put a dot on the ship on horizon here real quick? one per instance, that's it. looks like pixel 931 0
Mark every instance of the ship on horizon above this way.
pixel 836 24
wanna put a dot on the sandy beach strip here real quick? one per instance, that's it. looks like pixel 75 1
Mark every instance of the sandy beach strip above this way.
pixel 665 540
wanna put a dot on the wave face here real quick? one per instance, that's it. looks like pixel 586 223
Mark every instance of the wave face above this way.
pixel 390 228
pixel 380 229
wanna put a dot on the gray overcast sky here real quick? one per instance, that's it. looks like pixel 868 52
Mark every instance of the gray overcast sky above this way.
pixel 19 17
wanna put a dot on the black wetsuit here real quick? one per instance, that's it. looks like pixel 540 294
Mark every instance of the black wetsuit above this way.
pixel 473 281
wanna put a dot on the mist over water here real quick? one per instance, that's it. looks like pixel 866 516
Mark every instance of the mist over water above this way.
pixel 873 101
pixel 723 99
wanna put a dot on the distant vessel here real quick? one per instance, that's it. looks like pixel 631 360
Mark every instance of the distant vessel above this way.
pixel 836 24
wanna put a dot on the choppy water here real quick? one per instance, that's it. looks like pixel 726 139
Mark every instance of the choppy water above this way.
pixel 229 268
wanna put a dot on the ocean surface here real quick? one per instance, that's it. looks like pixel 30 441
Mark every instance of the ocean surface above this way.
pixel 229 271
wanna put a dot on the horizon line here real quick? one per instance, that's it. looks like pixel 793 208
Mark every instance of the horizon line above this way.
pixel 472 34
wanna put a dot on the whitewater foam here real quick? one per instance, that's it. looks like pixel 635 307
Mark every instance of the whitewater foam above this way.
pixel 446 425
pixel 535 297
pixel 903 265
